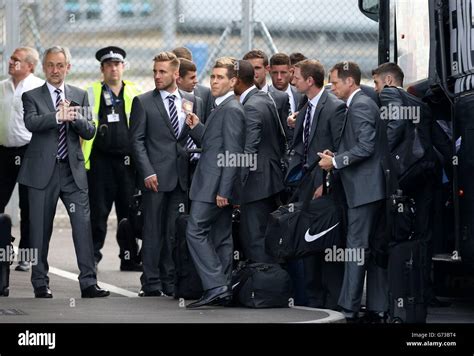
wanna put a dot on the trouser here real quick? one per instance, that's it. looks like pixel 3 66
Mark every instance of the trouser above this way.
pixel 111 180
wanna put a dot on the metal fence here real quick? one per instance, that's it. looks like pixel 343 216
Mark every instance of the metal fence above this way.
pixel 324 29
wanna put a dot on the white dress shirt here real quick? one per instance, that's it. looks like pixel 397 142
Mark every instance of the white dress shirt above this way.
pixel 219 100
pixel 292 99
pixel 13 132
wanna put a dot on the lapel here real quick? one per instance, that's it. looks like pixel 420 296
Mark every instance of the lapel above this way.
pixel 47 98
pixel 161 108
pixel 347 114
pixel 317 112
pixel 215 111
pixel 249 95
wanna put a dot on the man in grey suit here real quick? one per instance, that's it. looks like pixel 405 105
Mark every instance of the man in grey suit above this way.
pixel 358 160
pixel 259 61
pixel 262 180
pixel 53 168
pixel 159 138
pixel 318 126
pixel 209 230
pixel 201 91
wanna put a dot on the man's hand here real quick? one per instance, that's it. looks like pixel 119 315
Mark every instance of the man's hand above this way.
pixel 325 162
pixel 291 121
pixel 318 193
pixel 151 183
pixel 66 112
pixel 329 153
pixel 192 120
pixel 221 201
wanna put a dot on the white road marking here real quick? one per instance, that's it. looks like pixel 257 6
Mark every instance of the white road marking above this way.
pixel 110 287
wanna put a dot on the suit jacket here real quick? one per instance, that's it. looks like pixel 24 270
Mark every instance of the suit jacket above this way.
pixel 361 153
pixel 265 140
pixel 40 118
pixel 282 102
pixel 155 148
pixel 204 93
pixel 222 135
pixel 325 131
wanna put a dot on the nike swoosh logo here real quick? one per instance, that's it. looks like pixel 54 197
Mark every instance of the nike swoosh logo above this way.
pixel 310 238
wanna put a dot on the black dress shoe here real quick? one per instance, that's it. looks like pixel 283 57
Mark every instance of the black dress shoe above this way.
pixel 131 266
pixel 212 297
pixel 153 293
pixel 43 292
pixel 94 291
pixel 372 317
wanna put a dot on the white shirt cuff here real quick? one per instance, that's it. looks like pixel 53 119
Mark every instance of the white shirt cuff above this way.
pixel 57 118
pixel 150 176
pixel 334 162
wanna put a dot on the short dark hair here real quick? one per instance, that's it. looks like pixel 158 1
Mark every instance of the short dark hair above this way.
pixel 348 69
pixel 296 57
pixel 256 54
pixel 245 72
pixel 312 68
pixel 229 63
pixel 279 59
pixel 183 52
pixel 390 68
pixel 186 66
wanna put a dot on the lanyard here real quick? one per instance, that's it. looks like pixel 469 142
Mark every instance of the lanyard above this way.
pixel 109 97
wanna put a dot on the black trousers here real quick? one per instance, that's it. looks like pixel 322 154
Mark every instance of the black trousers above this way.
pixel 10 163
pixel 111 180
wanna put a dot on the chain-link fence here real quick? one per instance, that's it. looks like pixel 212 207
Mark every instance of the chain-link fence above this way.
pixel 324 29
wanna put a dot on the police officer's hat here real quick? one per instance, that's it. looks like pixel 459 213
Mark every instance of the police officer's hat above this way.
pixel 110 53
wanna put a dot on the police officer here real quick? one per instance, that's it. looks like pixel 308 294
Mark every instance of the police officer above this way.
pixel 111 175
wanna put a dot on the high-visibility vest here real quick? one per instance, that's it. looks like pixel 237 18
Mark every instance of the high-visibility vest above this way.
pixel 94 91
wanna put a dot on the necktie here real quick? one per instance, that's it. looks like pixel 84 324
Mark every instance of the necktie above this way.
pixel 62 141
pixel 306 131
pixel 191 146
pixel 173 114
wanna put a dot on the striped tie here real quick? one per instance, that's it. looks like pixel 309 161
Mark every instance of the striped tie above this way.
pixel 191 146
pixel 62 144
pixel 173 114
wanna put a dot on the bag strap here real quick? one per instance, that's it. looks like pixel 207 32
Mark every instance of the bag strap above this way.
pixel 306 176
pixel 246 274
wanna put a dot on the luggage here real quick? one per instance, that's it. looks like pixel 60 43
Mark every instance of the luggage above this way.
pixel 406 284
pixel 6 249
pixel 187 283
pixel 261 285
pixel 303 228
pixel 130 229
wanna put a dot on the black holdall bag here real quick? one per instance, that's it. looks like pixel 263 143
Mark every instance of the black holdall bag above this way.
pixel 261 285
pixel 6 246
pixel 304 228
